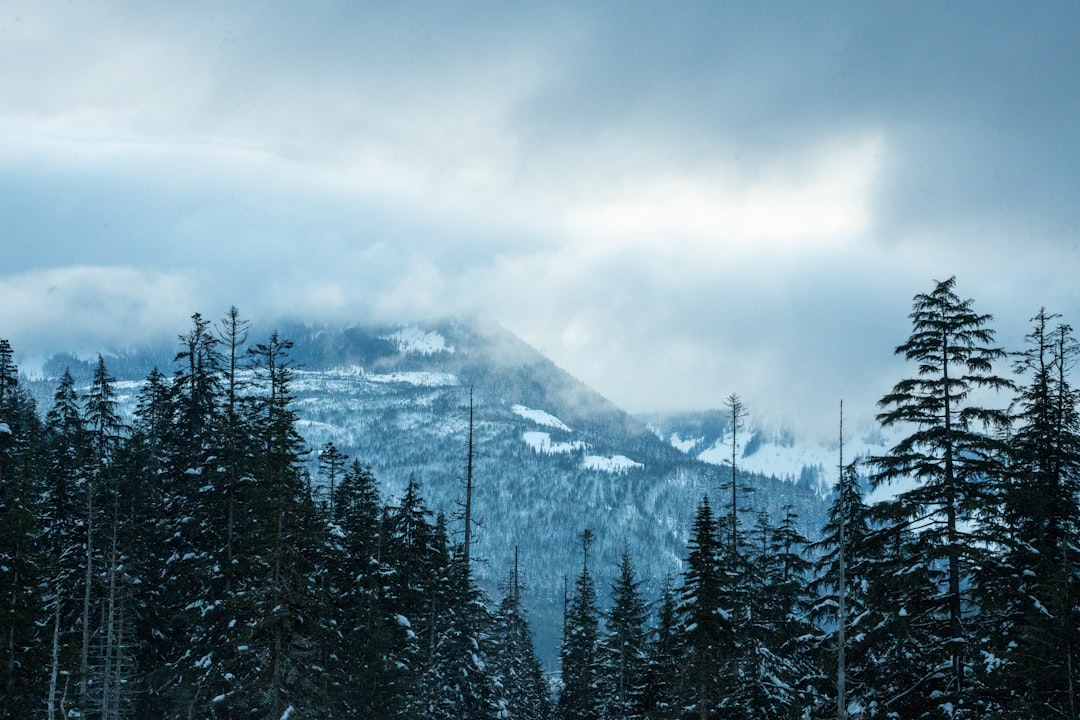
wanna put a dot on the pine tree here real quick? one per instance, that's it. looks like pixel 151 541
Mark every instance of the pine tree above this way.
pixel 331 468
pixel 112 656
pixel 661 674
pixel 365 678
pixel 458 683
pixel 416 598
pixel 67 528
pixel 236 435
pixel 708 636
pixel 282 537
pixel 737 413
pixel 1035 584
pixel 623 648
pixel 841 569
pixel 948 457
pixel 514 666
pixel 777 676
pixel 24 570
pixel 579 698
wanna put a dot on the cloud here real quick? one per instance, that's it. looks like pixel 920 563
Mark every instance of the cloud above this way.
pixel 86 309
pixel 675 202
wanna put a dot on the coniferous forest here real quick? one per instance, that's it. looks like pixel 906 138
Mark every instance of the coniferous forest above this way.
pixel 183 563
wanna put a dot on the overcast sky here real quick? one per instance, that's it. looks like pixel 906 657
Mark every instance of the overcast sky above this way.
pixel 673 201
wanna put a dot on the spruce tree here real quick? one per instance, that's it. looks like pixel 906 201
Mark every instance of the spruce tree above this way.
pixel 841 568
pixel 579 697
pixel 661 674
pixel 777 677
pixel 515 669
pixel 1036 583
pixel 949 455
pixel 623 648
pixel 709 641
pixel 361 667
pixel 24 566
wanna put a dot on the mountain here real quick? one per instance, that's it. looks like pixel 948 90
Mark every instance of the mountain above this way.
pixel 764 448
pixel 553 456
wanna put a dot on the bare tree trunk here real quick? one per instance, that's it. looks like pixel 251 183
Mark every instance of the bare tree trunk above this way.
pixel 110 679
pixel 841 592
pixel 84 666
pixel 54 670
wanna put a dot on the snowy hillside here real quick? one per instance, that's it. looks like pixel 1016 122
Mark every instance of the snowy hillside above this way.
pixel 763 448
pixel 553 456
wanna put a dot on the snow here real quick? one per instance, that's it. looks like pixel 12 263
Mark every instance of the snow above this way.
pixel 288 712
pixel 779 456
pixel 613 464
pixel 540 417
pixel 5 428
pixel 683 445
pixel 541 442
pixel 421 379
pixel 412 339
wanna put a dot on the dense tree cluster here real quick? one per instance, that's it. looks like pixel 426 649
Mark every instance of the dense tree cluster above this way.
pixel 186 565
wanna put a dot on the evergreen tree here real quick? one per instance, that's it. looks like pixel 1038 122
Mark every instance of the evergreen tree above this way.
pixel 331 468
pixel 416 599
pixel 708 633
pixel 24 567
pixel 579 698
pixel 623 649
pixel 515 668
pixel 235 437
pixel 661 674
pixel 949 459
pixel 112 655
pixel 777 675
pixel 1035 584
pixel 282 538
pixel 361 667
pixel 145 487
pixel 68 529
pixel 841 567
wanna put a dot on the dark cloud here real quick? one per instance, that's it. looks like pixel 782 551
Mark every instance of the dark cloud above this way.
pixel 674 201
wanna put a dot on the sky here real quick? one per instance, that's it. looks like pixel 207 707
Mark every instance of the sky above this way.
pixel 673 201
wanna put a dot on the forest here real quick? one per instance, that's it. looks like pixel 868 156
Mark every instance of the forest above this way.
pixel 184 563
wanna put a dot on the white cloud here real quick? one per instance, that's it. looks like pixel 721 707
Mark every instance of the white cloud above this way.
pixel 89 309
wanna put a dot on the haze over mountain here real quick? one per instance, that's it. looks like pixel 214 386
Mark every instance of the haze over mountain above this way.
pixel 553 457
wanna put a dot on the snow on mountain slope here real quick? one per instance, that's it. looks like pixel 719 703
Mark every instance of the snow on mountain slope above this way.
pixel 613 464
pixel 412 339
pixel 541 475
pixel 773 452
pixel 540 417
pixel 541 442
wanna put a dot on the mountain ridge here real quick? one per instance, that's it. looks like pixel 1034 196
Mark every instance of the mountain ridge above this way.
pixel 553 456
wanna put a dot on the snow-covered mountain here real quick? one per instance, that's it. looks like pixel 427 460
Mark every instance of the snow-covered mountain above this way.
pixel 553 456
pixel 766 448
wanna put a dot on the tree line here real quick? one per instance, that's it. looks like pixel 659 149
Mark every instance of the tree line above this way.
pixel 186 565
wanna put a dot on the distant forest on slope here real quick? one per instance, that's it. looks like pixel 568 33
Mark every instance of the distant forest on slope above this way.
pixel 186 565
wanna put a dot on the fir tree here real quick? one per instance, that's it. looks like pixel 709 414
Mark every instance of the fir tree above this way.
pixel 841 570
pixel 579 698
pixel 1035 584
pixel 623 649
pixel 361 666
pixel 24 570
pixel 515 668
pixel 661 674
pixel 950 459
pixel 707 631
